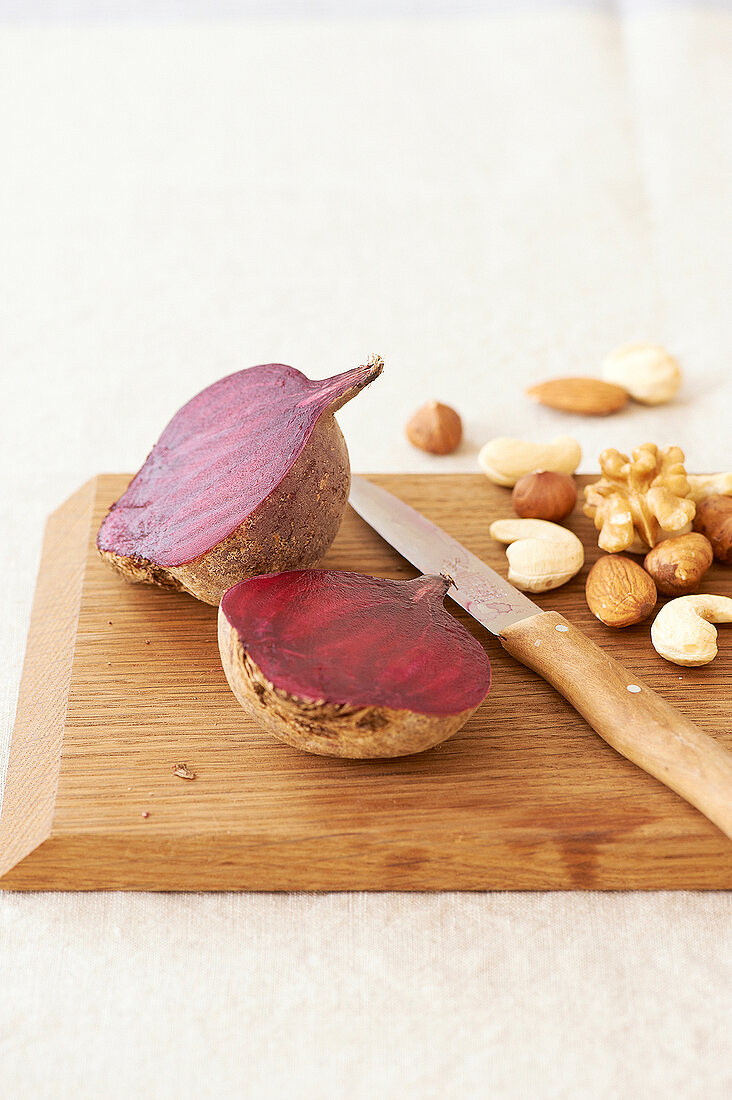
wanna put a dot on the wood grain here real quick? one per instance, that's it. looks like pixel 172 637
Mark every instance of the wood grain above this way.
pixel 30 789
pixel 629 715
pixel 525 796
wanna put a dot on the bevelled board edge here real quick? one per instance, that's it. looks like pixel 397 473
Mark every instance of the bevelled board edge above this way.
pixel 37 740
pixel 121 861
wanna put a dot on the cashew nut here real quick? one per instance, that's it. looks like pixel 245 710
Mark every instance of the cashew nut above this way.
pixel 702 486
pixel 541 555
pixel 647 371
pixel 682 631
pixel 504 460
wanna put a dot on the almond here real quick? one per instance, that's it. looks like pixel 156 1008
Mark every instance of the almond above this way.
pixel 588 396
pixel 619 593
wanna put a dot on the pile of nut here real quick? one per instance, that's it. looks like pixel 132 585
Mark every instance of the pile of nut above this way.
pixel 645 373
pixel 646 505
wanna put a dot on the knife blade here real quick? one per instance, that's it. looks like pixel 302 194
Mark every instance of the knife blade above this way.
pixel 479 589
pixel 636 721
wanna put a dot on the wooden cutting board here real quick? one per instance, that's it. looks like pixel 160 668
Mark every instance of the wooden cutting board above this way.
pixel 122 682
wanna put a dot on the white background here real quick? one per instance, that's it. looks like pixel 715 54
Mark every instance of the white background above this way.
pixel 487 203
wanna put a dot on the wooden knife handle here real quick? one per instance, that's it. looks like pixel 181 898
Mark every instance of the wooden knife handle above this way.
pixel 630 716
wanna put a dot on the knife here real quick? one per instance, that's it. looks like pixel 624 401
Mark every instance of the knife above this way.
pixel 626 713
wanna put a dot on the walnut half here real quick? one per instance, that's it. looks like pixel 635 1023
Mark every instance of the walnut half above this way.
pixel 637 503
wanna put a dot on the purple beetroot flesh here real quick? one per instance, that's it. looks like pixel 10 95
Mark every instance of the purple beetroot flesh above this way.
pixel 220 456
pixel 361 653
pixel 257 453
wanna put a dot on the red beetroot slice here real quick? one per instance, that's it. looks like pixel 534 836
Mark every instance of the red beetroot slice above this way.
pixel 250 476
pixel 344 664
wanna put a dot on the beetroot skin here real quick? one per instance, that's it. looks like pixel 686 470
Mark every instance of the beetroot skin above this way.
pixel 343 664
pixel 251 476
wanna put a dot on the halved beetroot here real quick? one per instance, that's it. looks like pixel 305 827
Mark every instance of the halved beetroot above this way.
pixel 343 664
pixel 249 477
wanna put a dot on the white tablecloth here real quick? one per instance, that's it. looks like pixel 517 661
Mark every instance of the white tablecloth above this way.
pixel 486 203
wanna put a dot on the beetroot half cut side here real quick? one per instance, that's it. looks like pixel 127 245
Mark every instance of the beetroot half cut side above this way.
pixel 343 664
pixel 250 476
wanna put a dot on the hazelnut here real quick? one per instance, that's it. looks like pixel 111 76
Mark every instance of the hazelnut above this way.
pixel 618 592
pixel 544 495
pixel 714 519
pixel 678 565
pixel 435 428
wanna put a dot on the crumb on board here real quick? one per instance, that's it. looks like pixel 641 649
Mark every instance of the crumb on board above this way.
pixel 183 771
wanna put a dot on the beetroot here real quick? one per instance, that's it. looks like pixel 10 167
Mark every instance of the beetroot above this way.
pixel 343 664
pixel 251 476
